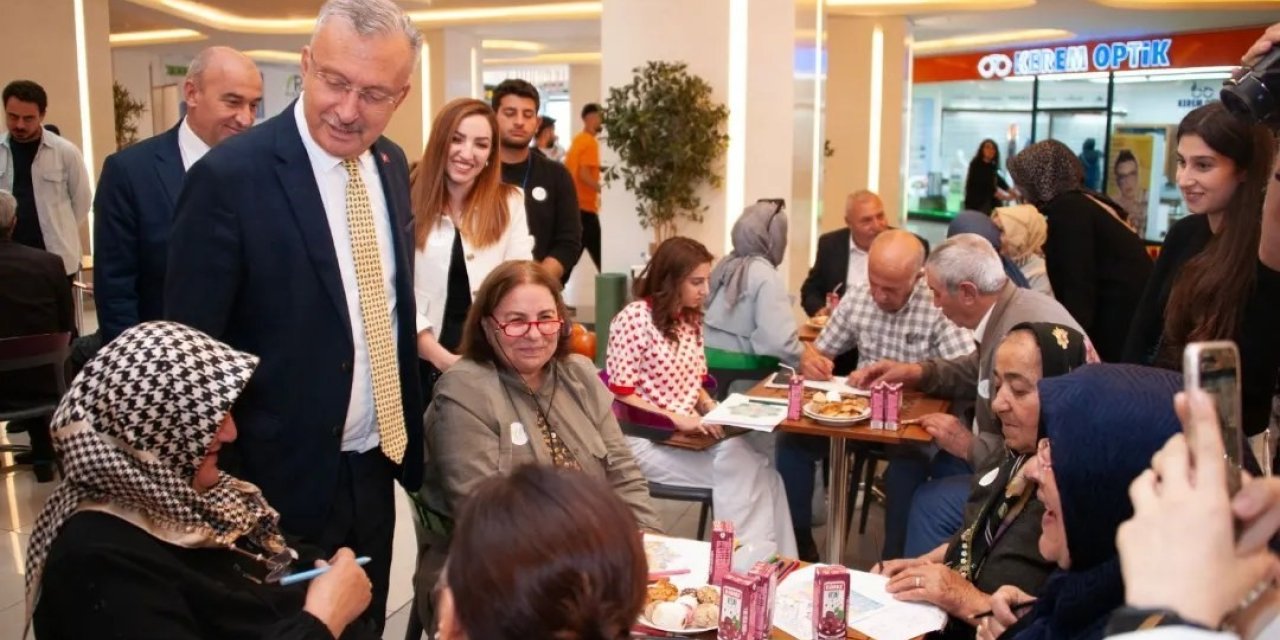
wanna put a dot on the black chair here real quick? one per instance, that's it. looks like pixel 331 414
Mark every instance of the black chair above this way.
pixel 45 354
pixel 862 475
pixel 686 494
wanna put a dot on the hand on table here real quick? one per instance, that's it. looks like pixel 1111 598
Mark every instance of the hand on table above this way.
pixel 1005 613
pixel 338 596
pixel 887 371
pixel 939 585
pixel 1181 536
pixel 815 366
pixel 891 568
pixel 693 425
pixel 949 433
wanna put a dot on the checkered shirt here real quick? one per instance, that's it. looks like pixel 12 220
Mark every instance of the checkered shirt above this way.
pixel 917 332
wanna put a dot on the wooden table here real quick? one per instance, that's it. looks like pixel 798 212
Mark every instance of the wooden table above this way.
pixel 914 405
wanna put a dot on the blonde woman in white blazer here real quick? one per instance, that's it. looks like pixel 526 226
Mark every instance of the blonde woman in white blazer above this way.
pixel 467 222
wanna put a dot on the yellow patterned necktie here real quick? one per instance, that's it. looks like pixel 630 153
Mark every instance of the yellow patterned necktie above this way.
pixel 375 314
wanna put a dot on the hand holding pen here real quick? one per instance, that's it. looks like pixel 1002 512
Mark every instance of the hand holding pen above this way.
pixel 340 592
pixel 1008 604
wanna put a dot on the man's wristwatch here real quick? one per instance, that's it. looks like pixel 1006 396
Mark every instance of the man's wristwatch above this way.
pixel 1129 619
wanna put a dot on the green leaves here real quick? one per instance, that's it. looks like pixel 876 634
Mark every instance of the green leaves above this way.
pixel 668 132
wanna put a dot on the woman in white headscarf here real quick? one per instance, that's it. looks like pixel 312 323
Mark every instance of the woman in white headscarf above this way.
pixel 749 311
pixel 145 537
pixel 1023 231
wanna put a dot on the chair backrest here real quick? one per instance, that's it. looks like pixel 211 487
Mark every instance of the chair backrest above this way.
pixel 31 352
pixel 639 422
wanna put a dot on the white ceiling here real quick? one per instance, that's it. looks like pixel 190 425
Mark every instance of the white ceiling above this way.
pixel 1085 18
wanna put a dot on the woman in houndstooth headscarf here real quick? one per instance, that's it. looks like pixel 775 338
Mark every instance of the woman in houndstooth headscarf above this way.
pixel 145 536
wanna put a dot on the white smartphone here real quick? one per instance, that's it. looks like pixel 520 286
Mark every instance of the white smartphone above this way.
pixel 1214 367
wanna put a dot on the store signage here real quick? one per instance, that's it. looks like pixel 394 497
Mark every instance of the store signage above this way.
pixel 1134 54
pixel 1184 50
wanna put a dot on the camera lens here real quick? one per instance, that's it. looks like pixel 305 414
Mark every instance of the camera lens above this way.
pixel 1250 98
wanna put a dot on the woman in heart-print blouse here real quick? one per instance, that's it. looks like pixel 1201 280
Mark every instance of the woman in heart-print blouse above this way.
pixel 656 362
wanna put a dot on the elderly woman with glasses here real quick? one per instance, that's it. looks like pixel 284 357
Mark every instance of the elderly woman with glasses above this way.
pixel 518 397
pixel 996 543
pixel 1102 425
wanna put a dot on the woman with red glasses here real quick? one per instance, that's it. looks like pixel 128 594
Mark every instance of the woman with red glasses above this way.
pixel 517 397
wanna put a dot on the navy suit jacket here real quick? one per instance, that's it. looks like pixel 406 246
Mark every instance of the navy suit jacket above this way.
pixel 252 263
pixel 133 215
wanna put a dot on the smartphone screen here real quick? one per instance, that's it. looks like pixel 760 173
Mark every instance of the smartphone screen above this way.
pixel 1215 368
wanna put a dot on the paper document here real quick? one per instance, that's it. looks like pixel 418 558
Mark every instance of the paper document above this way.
pixel 837 384
pixel 758 414
pixel 871 612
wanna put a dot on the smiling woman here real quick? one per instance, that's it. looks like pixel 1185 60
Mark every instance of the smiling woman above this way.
pixel 468 222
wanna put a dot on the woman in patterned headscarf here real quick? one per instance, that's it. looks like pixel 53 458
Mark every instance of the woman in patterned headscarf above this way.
pixel 145 536
pixel 1097 265
pixel 1023 232
pixel 997 542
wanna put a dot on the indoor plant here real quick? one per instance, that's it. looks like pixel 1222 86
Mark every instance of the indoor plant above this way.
pixel 668 133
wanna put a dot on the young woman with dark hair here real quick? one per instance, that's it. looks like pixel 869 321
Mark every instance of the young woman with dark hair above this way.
pixel 543 553
pixel 1208 283
pixel 656 362
pixel 984 189
pixel 467 222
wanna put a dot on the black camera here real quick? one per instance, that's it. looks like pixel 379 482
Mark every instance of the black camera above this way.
pixel 1256 94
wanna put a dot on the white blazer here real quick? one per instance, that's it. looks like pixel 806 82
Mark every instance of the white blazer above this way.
pixel 431 262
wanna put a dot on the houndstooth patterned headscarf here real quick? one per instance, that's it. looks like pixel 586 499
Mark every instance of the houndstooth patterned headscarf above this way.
pixel 134 427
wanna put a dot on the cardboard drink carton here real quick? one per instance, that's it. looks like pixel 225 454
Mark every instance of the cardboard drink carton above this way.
pixel 737 607
pixel 721 550
pixel 830 602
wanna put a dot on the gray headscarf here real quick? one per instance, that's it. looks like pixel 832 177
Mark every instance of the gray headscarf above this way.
pixel 761 233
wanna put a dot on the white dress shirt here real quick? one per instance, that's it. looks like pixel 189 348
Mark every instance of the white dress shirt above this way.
pixel 431 262
pixel 190 145
pixel 360 432
pixel 857 267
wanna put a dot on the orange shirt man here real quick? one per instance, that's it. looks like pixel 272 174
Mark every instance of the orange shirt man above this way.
pixel 583 162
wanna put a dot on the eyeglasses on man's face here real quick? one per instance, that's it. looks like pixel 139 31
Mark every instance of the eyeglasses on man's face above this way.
pixel 370 98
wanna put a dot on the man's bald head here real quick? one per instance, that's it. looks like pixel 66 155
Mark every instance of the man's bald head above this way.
pixel 222 91
pixel 894 264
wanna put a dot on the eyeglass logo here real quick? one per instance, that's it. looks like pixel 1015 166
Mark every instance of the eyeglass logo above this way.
pixel 996 65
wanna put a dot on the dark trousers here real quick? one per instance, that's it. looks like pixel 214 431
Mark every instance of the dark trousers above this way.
pixel 363 517
pixel 591 235
pixel 909 469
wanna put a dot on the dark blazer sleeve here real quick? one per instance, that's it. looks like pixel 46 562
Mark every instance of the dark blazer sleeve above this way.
pixel 205 265
pixel 115 260
pixel 1070 260
pixel 813 294
pixel 566 247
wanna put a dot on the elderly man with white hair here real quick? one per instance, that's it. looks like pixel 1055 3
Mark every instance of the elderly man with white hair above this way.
pixel 968 283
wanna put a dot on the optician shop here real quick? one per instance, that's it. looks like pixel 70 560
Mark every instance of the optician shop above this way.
pixel 1117 103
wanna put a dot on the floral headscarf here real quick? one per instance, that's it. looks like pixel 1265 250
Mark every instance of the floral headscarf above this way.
pixel 1025 230
pixel 1046 170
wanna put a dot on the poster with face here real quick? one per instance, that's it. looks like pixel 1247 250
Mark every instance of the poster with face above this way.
pixel 1130 180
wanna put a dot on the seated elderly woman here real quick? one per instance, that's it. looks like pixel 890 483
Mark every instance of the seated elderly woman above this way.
pixel 1023 232
pixel 1102 425
pixel 979 223
pixel 517 396
pixel 748 310
pixel 543 553
pixel 145 537
pixel 997 541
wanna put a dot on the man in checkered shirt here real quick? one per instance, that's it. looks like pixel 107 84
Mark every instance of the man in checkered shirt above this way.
pixel 891 317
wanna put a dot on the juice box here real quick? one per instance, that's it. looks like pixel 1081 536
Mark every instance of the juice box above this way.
pixel 767 575
pixel 721 550
pixel 830 600
pixel 737 607
pixel 892 405
pixel 877 405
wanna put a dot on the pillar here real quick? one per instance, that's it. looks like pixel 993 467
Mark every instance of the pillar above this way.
pixel 584 88
pixel 745 50
pixel 867 94
pixel 449 68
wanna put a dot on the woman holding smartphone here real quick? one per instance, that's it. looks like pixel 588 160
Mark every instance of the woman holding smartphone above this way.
pixel 1209 282
pixel 468 222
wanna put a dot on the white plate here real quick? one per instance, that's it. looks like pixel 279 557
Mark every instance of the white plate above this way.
pixel 691 630
pixel 834 422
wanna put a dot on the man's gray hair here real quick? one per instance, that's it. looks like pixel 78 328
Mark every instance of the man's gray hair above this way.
pixel 967 257
pixel 8 212
pixel 372 17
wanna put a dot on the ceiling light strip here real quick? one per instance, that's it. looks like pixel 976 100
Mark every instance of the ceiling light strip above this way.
pixel 980 40
pixel 818 148
pixel 876 118
pixel 159 36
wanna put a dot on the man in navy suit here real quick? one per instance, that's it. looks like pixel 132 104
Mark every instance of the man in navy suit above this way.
pixel 140 184
pixel 294 242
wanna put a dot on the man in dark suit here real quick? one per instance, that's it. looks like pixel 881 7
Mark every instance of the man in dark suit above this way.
pixel 140 184
pixel 35 298
pixel 294 241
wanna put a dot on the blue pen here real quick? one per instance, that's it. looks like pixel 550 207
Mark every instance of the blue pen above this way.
pixel 295 578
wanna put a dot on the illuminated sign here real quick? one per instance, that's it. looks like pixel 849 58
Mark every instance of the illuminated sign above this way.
pixel 1135 54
